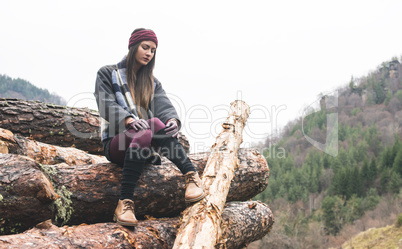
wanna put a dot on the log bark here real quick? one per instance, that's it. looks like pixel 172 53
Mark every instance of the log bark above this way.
pixel 201 226
pixel 24 192
pixel 52 124
pixel 89 193
pixel 45 153
pixel 57 125
pixel 244 222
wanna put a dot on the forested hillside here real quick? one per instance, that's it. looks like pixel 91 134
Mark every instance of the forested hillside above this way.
pixel 22 89
pixel 320 199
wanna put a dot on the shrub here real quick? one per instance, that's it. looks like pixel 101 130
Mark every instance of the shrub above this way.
pixel 398 222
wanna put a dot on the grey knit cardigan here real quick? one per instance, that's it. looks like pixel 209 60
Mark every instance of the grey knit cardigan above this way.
pixel 113 115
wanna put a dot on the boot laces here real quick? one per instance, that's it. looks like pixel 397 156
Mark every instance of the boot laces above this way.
pixel 128 205
pixel 190 178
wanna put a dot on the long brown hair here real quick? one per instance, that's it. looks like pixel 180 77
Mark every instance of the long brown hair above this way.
pixel 141 84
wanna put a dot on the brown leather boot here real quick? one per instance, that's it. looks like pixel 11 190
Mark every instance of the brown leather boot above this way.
pixel 124 213
pixel 194 189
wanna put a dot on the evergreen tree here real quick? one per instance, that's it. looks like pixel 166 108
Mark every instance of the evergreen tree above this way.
pixel 274 167
pixel 350 186
pixel 355 186
pixel 384 181
pixel 287 180
pixel 366 178
pixel 388 97
pixel 371 200
pixel 378 88
pixel 342 132
pixel 372 137
pixel 332 214
pixel 288 163
pixel 336 164
pixel 397 166
pixel 326 162
pixel 396 147
pixel 394 182
pixel 386 158
pixel 282 192
pixel 293 194
pixel 343 158
pixel 353 209
pixel 372 170
pixel 273 186
pixel 314 182
pixel 337 183
pixel 361 151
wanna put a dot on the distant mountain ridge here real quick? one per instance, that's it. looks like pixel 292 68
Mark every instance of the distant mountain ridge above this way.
pixel 22 89
pixel 322 197
pixel 373 101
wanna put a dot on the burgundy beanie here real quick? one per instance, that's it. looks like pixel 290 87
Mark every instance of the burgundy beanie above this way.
pixel 143 35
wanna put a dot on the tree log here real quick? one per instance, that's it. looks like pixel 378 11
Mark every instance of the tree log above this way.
pixel 52 124
pixel 45 153
pixel 202 224
pixel 57 125
pixel 25 194
pixel 244 223
pixel 89 193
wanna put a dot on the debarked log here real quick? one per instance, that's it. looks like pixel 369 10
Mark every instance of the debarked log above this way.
pixel 57 125
pixel 89 193
pixel 201 225
pixel 244 223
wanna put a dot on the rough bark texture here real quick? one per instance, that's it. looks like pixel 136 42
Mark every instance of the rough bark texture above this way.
pixel 52 124
pixel 244 223
pixel 201 224
pixel 56 124
pixel 45 153
pixel 25 194
pixel 89 193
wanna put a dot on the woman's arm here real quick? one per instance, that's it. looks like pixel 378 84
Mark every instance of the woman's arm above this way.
pixel 162 107
pixel 108 107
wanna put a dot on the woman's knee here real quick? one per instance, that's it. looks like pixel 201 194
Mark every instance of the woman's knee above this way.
pixel 156 124
pixel 143 141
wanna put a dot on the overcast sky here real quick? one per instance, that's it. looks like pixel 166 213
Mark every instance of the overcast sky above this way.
pixel 278 56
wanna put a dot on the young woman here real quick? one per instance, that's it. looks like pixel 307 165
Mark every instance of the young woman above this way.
pixel 136 117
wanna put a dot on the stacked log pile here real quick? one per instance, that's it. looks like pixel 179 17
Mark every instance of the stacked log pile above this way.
pixel 57 125
pixel 49 192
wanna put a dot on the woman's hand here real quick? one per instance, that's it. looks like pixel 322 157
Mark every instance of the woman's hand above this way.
pixel 139 124
pixel 172 127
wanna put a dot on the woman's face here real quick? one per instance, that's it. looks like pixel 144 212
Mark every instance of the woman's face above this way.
pixel 145 52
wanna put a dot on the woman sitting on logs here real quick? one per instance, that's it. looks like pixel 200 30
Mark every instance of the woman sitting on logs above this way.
pixel 136 117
